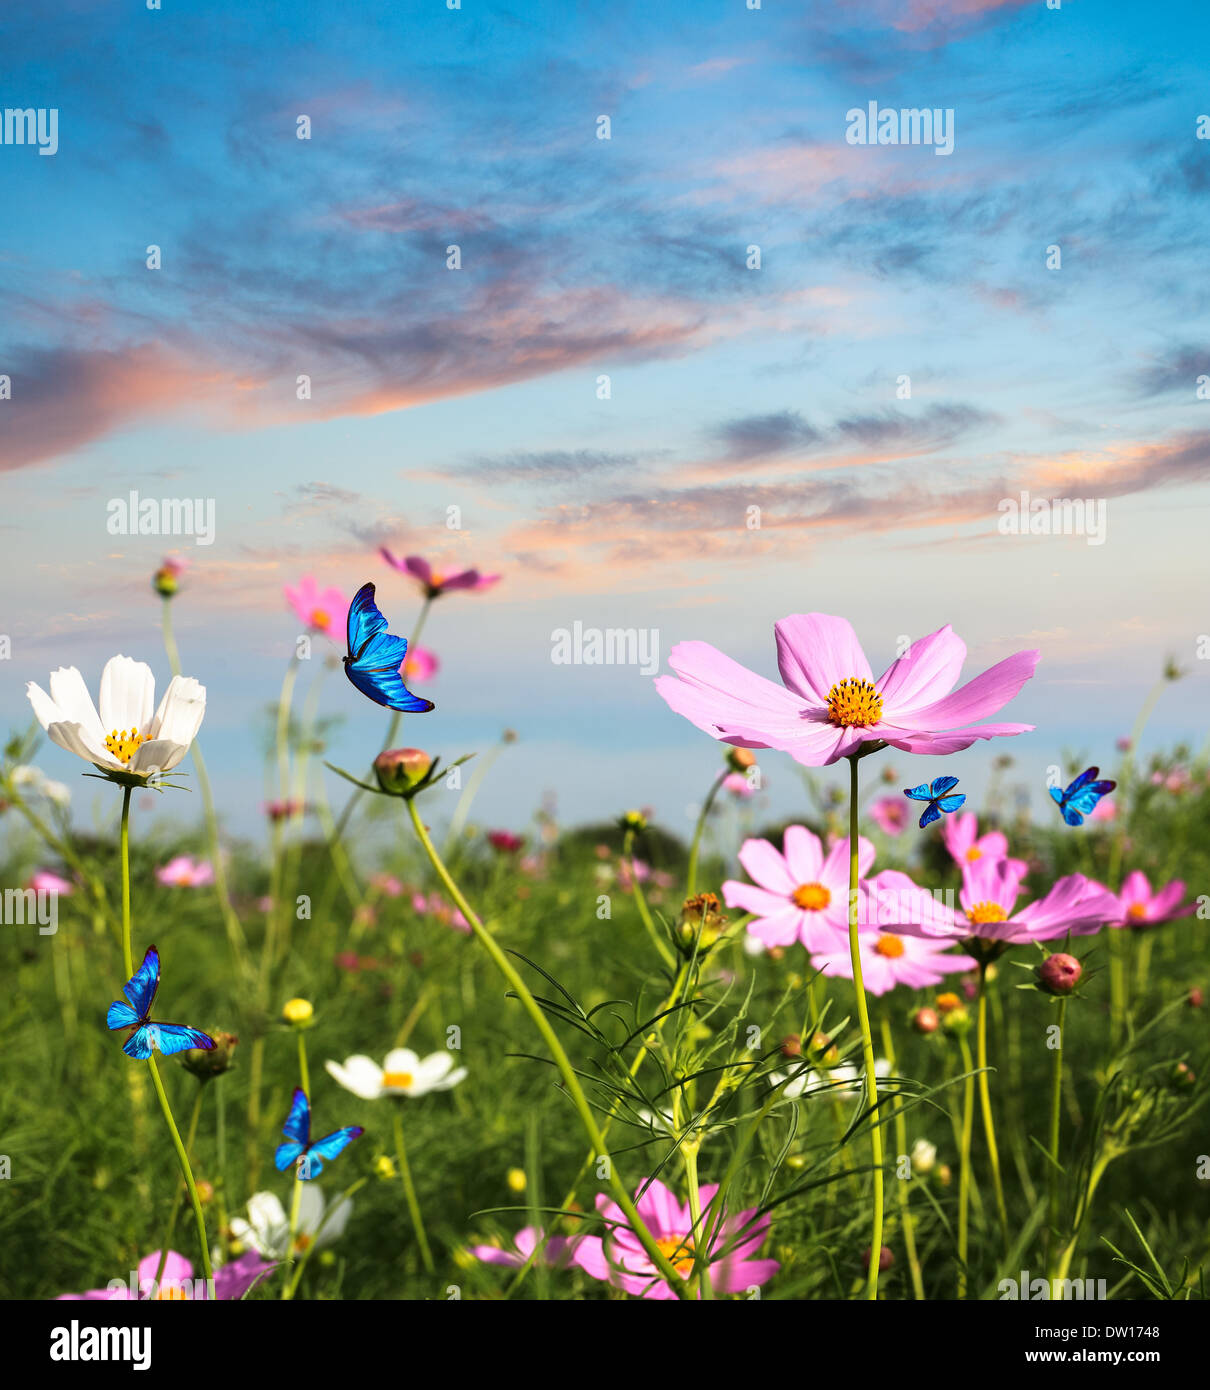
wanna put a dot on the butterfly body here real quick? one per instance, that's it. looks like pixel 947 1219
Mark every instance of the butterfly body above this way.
pixel 1080 798
pixel 375 657
pixel 300 1149
pixel 150 1035
pixel 937 794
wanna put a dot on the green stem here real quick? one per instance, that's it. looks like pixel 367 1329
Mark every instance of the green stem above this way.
pixel 166 1243
pixel 640 899
pixel 124 852
pixel 409 1192
pixel 1056 1096
pixel 301 1265
pixel 964 1161
pixel 287 1292
pixel 701 1262
pixel 699 830
pixel 904 1188
pixel 186 1172
pixel 985 1104
pixel 867 1040
pixel 571 1081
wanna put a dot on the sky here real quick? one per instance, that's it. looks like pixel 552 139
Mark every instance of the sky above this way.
pixel 721 307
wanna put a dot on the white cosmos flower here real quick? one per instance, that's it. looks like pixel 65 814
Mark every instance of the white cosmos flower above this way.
pixel 28 778
pixel 129 735
pixel 403 1073
pixel 267 1229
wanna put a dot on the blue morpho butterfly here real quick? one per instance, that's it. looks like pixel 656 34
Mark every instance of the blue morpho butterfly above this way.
pixel 375 657
pixel 937 797
pixel 307 1153
pixel 1081 796
pixel 148 1034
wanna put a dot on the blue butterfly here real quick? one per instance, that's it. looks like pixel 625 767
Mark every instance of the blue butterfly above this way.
pixel 148 1034
pixel 1081 796
pixel 375 657
pixel 937 798
pixel 301 1150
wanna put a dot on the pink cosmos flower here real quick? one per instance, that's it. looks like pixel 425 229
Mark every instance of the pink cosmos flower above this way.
pixel 800 894
pixel 43 881
pixel 437 582
pixel 1138 906
pixel 284 809
pixel 889 814
pixel 1105 809
pixel 889 959
pixel 321 610
pixel 231 1281
pixel 966 846
pixel 420 664
pixel 557 1253
pixel 831 704
pixel 990 888
pixel 435 906
pixel 182 872
pixel 738 785
pixel 504 841
pixel 619 1259
pixel 387 884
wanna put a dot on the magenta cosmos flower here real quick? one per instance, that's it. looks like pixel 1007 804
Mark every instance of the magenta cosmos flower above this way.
pixel 800 894
pixel 829 703
pixel 967 846
pixel 231 1281
pixel 321 610
pixel 1138 906
pixel 420 664
pixel 437 582
pixel 557 1252
pixel 619 1259
pixel 889 814
pixel 889 959
pixel 43 881
pixel 182 872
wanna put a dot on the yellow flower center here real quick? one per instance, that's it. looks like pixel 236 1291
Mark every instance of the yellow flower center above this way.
pixel 436 579
pixel 1137 910
pixel 123 745
pixel 947 1002
pixel 974 853
pixel 321 619
pixel 302 1242
pixel 890 946
pixel 679 1251
pixel 986 912
pixel 854 701
pixel 812 897
pixel 170 1291
pixel 402 1079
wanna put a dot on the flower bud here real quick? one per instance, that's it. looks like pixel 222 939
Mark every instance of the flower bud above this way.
pixel 824 1051
pixel 944 1175
pixel 1183 1076
pixel 384 1167
pixel 298 1011
pixel 885 1258
pixel 956 1021
pixel 205 1192
pixel 1196 997
pixel 167 579
pixel 206 1064
pixel 791 1045
pixel 1059 974
pixel 701 920
pixel 634 820
pixel 516 1180
pixel 946 1003
pixel 740 759
pixel 399 769
pixel 925 1021
pixel 923 1156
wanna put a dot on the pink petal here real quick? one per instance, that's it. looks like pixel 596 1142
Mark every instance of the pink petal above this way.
pixel 928 670
pixel 815 652
pixel 984 695
pixel 767 867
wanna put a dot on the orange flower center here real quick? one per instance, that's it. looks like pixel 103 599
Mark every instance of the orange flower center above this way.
pixel 123 745
pixel 811 897
pixel 890 946
pixel 679 1251
pixel 947 1002
pixel 170 1291
pixel 986 912
pixel 321 619
pixel 402 1079
pixel 1137 910
pixel 854 702
pixel 974 853
pixel 302 1242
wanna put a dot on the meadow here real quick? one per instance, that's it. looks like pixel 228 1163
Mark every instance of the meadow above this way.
pixel 650 1051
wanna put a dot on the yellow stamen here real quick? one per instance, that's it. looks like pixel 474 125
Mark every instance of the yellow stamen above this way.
pixel 321 619
pixel 974 853
pixel 124 745
pixel 402 1079
pixel 813 897
pixel 679 1251
pixel 170 1291
pixel 890 946
pixel 946 1003
pixel 1137 910
pixel 854 703
pixel 982 913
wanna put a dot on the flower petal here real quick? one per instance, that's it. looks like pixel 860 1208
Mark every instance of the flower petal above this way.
pixel 127 695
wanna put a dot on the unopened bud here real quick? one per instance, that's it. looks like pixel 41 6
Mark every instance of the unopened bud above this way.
pixel 925 1021
pixel 1059 974
pixel 885 1258
pixel 218 1059
pixel 740 759
pixel 298 1011
pixel 399 769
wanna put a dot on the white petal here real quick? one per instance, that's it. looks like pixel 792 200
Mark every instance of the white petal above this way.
pixel 450 1081
pixel 435 1066
pixel 360 1075
pixel 157 754
pixel 73 738
pixel 45 709
pixel 334 1227
pixel 69 692
pixel 310 1209
pixel 127 695
pixel 179 716
pixel 402 1059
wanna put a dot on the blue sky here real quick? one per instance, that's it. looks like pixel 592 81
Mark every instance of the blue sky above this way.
pixel 730 387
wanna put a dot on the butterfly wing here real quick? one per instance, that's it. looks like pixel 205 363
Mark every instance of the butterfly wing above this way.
pixel 331 1145
pixel 375 661
pixel 931 813
pixel 951 803
pixel 1082 780
pixel 286 1155
pixel 298 1121
pixel 941 785
pixel 365 622
pixel 1057 793
pixel 139 1044
pixel 177 1037
pixel 384 685
pixel 921 793
pixel 1086 798
pixel 120 1016
pixel 141 987
pixel 1071 815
